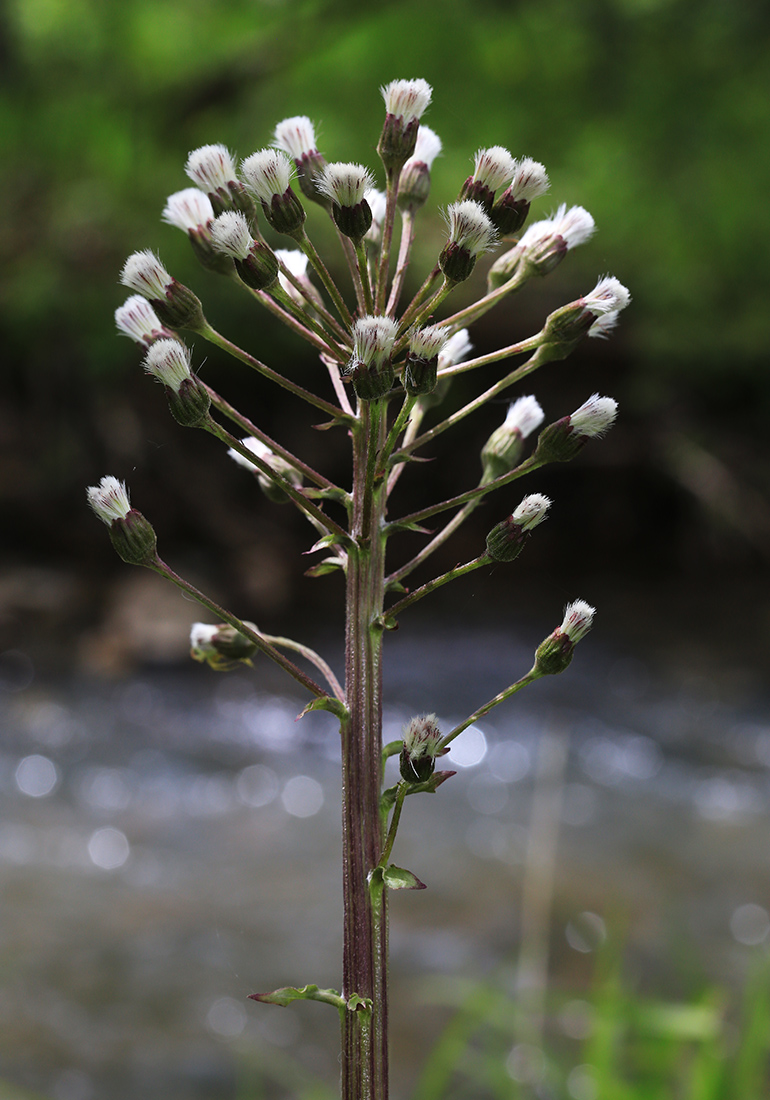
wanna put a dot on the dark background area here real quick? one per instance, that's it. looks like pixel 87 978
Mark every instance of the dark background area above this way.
pixel 653 114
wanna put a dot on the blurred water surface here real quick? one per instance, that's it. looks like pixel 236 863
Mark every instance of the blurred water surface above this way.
pixel 170 844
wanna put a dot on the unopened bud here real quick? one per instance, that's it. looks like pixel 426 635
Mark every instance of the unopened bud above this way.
pixel 502 450
pixel 221 646
pixel 562 440
pixel 569 324
pixel 370 366
pixel 529 182
pixel 506 541
pixel 188 399
pixel 296 136
pixel 346 185
pixel 267 484
pixel 470 233
pixel 422 744
pixel 255 261
pixel 492 168
pixel 405 103
pixel 192 212
pixel 414 181
pixel 212 169
pixel 138 320
pixel 175 304
pixel 421 366
pixel 131 534
pixel 267 174
pixel 555 653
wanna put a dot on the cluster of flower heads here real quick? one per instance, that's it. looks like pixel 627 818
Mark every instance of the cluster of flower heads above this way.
pixel 370 346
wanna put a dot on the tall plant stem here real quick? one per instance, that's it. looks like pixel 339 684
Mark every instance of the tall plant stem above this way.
pixel 364 1040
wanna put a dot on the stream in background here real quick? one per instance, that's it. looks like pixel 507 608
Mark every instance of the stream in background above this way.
pixel 169 844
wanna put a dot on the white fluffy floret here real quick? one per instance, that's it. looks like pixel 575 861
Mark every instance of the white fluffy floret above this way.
pixel 144 273
pixel 524 415
pixel 407 99
pixel 138 320
pixel 595 416
pixel 267 173
pixel 493 167
pixel 429 342
pixel 345 184
pixel 532 510
pixel 456 350
pixel 604 325
pixel 427 148
pixel 256 446
pixel 109 500
pixel 529 180
pixel 169 362
pixel 188 210
pixel 608 296
pixel 373 338
pixel 295 136
pixel 578 620
pixel 211 167
pixel 574 226
pixel 230 233
pixel 470 227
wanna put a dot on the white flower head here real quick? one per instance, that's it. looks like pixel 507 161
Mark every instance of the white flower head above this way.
pixel 427 148
pixel 595 416
pixel 211 168
pixel 578 620
pixel 109 500
pixel 524 415
pixel 422 736
pixel 427 343
pixel 574 226
pixel 256 446
pixel 202 636
pixel 296 136
pixel 138 320
pixel 377 203
pixel 189 210
pixel 529 180
pixel 455 350
pixel 144 273
pixel 345 184
pixel 604 324
pixel 532 510
pixel 608 296
pixel 493 167
pixel 373 339
pixel 169 362
pixel 230 233
pixel 267 173
pixel 470 227
pixel 407 99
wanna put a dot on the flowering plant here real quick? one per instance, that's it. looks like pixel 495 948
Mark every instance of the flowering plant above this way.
pixel 388 369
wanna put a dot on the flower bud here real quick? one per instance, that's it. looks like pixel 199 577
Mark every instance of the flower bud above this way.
pixel 370 366
pixel 470 233
pixel 422 744
pixel 421 366
pixel 296 137
pixel 405 103
pixel 191 211
pixel 267 174
pixel 555 653
pixel 130 533
pixel 346 186
pixel 562 440
pixel 221 645
pixel 546 243
pixel 414 181
pixel 255 261
pixel 502 451
pixel 138 320
pixel 569 324
pixel 510 211
pixel 212 169
pixel 174 303
pixel 492 168
pixel 268 486
pixel 188 400
pixel 506 541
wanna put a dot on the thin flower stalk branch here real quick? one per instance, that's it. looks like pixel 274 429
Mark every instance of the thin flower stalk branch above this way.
pixel 341 335
pixel 531 344
pixel 415 420
pixel 402 263
pixel 311 656
pixel 407 317
pixel 394 823
pixel 246 425
pixel 395 431
pixel 294 494
pixel 398 575
pixel 525 467
pixel 362 268
pixel 269 650
pixel 308 329
pixel 391 192
pixel 392 613
pixel 525 681
pixel 222 342
pixel 320 268
pixel 483 305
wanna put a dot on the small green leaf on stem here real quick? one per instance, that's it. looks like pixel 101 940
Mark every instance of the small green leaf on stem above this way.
pixel 326 702
pixel 289 993
pixel 398 878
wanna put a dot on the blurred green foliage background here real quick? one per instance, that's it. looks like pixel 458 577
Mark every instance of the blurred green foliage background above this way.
pixel 653 114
